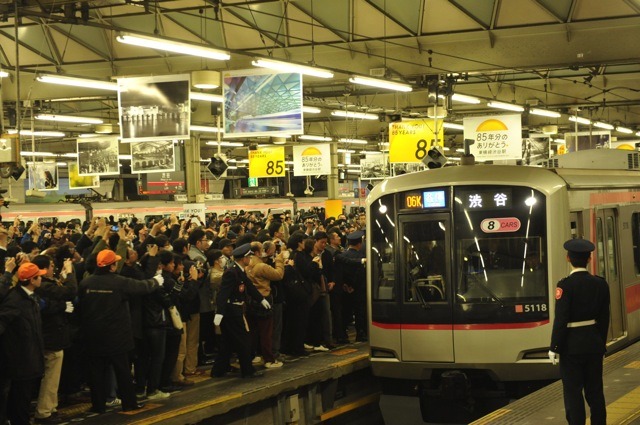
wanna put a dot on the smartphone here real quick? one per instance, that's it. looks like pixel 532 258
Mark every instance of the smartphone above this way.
pixel 114 228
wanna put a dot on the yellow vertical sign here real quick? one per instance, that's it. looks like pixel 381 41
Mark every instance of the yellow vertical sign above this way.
pixel 409 141
pixel 267 162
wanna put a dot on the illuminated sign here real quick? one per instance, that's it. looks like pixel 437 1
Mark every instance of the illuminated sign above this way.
pixel 495 199
pixel 426 199
pixel 500 225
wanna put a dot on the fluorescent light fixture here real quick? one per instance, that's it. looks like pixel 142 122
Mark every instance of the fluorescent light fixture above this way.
pixel 173 46
pixel 603 125
pixel 506 106
pixel 311 110
pixel 292 67
pixel 43 154
pixel 38 133
pixel 353 141
pixel 68 118
pixel 560 141
pixel 545 113
pixel 315 138
pixel 225 143
pixel 77 82
pixel 129 157
pixel 346 151
pixel 638 133
pixel 364 151
pixel 453 126
pixel 4 74
pixel 354 115
pixel 579 120
pixel 213 98
pixel 624 130
pixel 382 84
pixel 457 97
pixel 206 129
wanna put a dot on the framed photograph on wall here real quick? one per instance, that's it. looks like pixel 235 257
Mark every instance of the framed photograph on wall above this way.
pixel 154 108
pixel 152 157
pixel 98 156
pixel 43 176
pixel 76 181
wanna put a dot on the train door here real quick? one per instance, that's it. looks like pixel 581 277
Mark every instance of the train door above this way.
pixel 427 329
pixel 607 266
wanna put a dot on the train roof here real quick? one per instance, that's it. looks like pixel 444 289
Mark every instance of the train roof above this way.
pixel 593 169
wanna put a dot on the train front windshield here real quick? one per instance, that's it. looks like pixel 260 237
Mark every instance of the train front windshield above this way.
pixel 499 245
pixel 462 245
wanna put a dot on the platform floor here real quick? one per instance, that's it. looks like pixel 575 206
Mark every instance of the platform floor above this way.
pixel 210 397
pixel 546 406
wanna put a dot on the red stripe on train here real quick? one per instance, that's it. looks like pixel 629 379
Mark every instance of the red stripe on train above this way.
pixel 632 298
pixel 460 327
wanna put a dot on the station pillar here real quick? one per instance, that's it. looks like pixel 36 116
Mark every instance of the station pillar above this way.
pixel 333 205
pixel 192 169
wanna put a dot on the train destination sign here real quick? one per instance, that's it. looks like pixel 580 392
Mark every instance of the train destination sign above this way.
pixel 496 199
pixel 425 199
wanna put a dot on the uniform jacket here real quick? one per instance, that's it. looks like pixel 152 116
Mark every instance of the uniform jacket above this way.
pixel 350 268
pixel 234 289
pixel 261 274
pixel 21 345
pixel 55 322
pixel 579 297
pixel 104 312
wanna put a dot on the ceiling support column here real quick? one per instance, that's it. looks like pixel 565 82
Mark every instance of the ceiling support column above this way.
pixel 333 205
pixel 192 169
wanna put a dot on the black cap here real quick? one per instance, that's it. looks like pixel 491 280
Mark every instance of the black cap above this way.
pixel 581 247
pixel 224 242
pixel 355 236
pixel 231 234
pixel 242 251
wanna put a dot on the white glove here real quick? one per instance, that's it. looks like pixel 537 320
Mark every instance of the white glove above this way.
pixel 553 357
pixel 265 304
pixel 159 279
pixel 69 308
pixel 217 319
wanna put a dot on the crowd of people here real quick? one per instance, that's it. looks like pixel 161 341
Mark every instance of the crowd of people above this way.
pixel 131 309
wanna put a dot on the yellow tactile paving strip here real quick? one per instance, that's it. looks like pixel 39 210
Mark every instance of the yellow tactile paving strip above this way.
pixel 624 409
pixel 186 409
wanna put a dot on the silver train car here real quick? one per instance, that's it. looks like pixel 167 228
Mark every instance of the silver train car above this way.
pixel 463 262
pixel 146 209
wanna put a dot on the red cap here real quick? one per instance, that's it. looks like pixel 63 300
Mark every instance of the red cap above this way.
pixel 28 270
pixel 107 257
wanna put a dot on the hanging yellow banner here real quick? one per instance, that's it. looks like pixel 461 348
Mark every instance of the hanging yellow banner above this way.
pixel 409 141
pixel 267 162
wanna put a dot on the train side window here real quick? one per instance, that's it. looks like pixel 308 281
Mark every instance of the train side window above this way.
pixel 635 233
pixel 382 249
pixel 600 245
pixel 424 256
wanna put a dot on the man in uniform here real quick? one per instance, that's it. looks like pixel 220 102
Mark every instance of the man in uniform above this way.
pixel 230 315
pixel 354 281
pixel 580 335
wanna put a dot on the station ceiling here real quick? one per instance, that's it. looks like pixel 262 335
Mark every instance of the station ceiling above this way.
pixel 571 56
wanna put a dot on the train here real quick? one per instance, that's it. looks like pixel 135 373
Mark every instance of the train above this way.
pixel 463 262
pixel 66 211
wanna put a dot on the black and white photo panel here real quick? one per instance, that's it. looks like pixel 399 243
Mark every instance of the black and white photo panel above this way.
pixel 43 176
pixel 152 157
pixel 98 156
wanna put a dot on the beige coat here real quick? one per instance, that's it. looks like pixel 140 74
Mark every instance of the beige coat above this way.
pixel 262 274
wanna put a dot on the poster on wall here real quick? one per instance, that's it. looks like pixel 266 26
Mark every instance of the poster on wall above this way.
pixel 497 137
pixel 154 108
pixel 261 103
pixel 76 181
pixel 43 176
pixel 152 157
pixel 267 162
pixel 98 155
pixel 311 160
pixel 535 149
pixel 584 140
pixel 409 141
pixel 374 166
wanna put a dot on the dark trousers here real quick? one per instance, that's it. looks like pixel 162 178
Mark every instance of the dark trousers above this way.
pixel 19 401
pixel 156 343
pixel 207 334
pixel 296 317
pixel 234 338
pixel 97 371
pixel 261 329
pixel 360 312
pixel 337 322
pixel 172 346
pixel 277 328
pixel 583 372
pixel 5 385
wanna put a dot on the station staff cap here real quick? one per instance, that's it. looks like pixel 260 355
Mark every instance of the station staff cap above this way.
pixel 354 236
pixel 580 247
pixel 242 251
